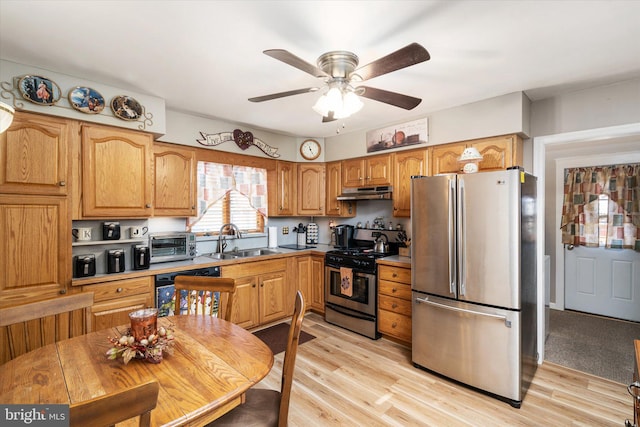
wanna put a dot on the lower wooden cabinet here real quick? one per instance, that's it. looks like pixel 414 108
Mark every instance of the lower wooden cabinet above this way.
pixel 309 271
pixel 394 302
pixel 113 301
pixel 261 292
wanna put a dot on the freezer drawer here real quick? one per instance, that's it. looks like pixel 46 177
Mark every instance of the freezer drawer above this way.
pixel 476 345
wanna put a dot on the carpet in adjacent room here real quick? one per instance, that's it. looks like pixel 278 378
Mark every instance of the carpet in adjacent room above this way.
pixel 276 337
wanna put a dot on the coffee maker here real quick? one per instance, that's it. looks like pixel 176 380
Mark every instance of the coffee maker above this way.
pixel 344 236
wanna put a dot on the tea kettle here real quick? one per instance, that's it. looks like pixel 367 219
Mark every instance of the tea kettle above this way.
pixel 381 246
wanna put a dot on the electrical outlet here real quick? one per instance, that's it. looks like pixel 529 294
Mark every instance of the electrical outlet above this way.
pixel 285 230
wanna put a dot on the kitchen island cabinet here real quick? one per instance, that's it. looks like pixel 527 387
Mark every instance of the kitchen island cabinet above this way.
pixel 394 301
pixel 117 178
pixel 174 179
pixel 262 292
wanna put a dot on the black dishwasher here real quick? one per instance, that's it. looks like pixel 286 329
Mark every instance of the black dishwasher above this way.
pixel 165 291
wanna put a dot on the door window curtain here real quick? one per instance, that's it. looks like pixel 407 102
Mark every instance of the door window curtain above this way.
pixel 216 180
pixel 580 211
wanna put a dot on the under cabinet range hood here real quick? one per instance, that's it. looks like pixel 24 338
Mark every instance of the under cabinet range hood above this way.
pixel 382 192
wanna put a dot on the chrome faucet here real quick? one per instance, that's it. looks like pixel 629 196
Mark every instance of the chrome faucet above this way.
pixel 221 240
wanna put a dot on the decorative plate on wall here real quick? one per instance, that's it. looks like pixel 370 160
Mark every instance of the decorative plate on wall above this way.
pixel 126 108
pixel 86 100
pixel 39 90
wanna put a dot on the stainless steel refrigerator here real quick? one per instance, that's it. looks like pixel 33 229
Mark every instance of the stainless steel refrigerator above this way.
pixel 473 259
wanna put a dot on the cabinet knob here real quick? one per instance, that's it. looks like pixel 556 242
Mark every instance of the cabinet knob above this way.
pixel 394 305
pixel 394 275
pixel 62 183
pixel 253 286
pixel 394 290
pixel 119 290
pixel 148 205
pixel 63 291
pixel 393 325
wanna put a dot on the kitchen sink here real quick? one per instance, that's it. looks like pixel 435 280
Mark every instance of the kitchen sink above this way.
pixel 243 254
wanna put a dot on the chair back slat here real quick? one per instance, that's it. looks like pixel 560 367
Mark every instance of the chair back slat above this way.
pixel 290 358
pixel 200 293
pixel 30 326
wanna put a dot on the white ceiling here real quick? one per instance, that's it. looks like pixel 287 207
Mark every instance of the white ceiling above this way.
pixel 205 57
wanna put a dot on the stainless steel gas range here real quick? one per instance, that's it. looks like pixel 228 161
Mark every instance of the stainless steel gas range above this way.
pixel 351 284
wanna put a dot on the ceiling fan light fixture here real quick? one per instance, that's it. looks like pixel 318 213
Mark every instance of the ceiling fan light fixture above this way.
pixel 342 102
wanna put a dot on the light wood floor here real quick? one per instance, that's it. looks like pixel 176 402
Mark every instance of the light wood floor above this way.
pixel 343 379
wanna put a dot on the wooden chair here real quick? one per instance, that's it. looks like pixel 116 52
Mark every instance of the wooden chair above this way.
pixel 116 407
pixel 30 326
pixel 269 407
pixel 199 287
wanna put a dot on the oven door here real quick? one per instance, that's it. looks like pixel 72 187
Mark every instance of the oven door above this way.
pixel 363 298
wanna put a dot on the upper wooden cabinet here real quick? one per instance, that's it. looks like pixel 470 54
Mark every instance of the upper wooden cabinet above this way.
pixel 284 204
pixel 34 155
pixel 373 170
pixel 333 206
pixel 498 152
pixel 406 165
pixel 174 190
pixel 311 189
pixel 35 248
pixel 116 173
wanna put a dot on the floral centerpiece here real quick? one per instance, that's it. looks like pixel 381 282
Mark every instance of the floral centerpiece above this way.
pixel 149 348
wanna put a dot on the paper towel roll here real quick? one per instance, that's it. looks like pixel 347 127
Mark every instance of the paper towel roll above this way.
pixel 273 237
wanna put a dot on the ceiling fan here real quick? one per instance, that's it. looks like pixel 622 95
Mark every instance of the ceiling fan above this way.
pixel 338 69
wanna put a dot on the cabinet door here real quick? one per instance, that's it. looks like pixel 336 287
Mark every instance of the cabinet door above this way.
pixel 174 190
pixel 245 303
pixel 111 313
pixel 317 284
pixel 444 158
pixel 407 164
pixel 116 173
pixel 333 206
pixel 35 248
pixel 34 155
pixel 303 274
pixel 273 293
pixel 378 170
pixel 498 153
pixel 286 188
pixel 353 173
pixel 311 194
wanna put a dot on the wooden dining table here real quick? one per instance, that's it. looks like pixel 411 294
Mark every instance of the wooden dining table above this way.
pixel 213 364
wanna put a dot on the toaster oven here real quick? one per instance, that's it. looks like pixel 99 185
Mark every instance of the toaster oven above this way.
pixel 172 246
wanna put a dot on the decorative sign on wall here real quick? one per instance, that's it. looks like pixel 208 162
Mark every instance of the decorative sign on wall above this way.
pixel 242 139
pixel 401 135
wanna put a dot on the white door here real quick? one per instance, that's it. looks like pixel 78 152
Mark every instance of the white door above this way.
pixel 603 281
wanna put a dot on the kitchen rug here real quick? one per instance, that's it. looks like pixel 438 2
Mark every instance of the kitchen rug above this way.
pixel 276 337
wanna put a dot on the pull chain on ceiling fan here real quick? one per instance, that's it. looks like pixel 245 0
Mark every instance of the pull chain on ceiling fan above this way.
pixel 338 69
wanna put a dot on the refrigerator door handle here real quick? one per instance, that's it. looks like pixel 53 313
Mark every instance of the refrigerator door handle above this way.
pixel 462 241
pixel 452 234
pixel 507 322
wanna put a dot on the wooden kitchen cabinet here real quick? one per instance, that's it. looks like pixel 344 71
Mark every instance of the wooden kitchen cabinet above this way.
pixel 406 165
pixel 261 292
pixel 373 170
pixel 116 173
pixel 35 248
pixel 311 189
pixel 500 152
pixel 175 186
pixel 35 155
pixel 284 188
pixel 333 206
pixel 394 302
pixel 310 278
pixel 113 301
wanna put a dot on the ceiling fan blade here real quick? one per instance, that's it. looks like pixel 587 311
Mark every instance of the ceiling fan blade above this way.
pixel 409 55
pixel 392 98
pixel 328 118
pixel 283 94
pixel 289 58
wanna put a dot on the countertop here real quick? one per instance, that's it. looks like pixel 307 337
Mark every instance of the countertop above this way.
pixel 198 262
pixel 395 261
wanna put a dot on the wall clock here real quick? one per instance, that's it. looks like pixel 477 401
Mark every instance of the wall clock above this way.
pixel 310 149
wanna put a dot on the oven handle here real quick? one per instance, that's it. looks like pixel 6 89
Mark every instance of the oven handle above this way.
pixel 348 313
